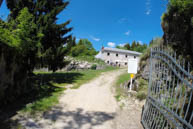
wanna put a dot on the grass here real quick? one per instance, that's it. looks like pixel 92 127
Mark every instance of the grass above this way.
pixel 89 75
pixel 90 59
pixel 43 104
pixel 53 85
pixel 121 80
pixel 142 90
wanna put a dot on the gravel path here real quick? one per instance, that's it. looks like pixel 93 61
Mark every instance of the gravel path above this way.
pixel 92 106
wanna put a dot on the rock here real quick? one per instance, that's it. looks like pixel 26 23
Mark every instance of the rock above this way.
pixel 81 65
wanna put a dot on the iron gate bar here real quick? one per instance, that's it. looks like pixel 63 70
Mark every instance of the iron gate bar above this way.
pixel 179 118
pixel 165 114
pixel 168 93
pixel 191 86
pixel 173 61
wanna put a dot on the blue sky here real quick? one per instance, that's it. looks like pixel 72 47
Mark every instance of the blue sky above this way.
pixel 112 22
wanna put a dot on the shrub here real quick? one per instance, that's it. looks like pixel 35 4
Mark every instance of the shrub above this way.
pixel 141 95
pixel 93 67
pixel 142 90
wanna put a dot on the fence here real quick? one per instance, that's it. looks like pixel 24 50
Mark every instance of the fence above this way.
pixel 169 104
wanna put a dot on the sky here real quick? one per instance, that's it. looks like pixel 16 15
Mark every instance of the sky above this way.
pixel 112 22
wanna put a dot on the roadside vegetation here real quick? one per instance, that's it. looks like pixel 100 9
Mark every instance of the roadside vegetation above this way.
pixel 54 84
pixel 134 46
pixel 120 91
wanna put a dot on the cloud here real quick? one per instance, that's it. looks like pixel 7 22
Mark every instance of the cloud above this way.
pixel 140 42
pixel 121 44
pixel 148 12
pixel 122 20
pixel 111 44
pixel 128 33
pixel 94 38
pixel 77 39
pixel 148 7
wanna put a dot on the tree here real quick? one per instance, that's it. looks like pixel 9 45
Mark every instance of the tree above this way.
pixel 45 14
pixel 22 34
pixel 83 48
pixel 127 46
pixel 86 43
pixel 71 42
pixel 133 45
pixel 1 2
pixel 178 28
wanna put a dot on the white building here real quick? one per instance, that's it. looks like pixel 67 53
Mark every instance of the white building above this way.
pixel 117 57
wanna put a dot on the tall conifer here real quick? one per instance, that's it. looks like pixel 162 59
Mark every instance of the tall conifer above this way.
pixel 54 39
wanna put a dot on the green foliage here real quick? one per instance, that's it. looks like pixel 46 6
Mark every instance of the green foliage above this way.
pixel 54 35
pixel 145 56
pixel 45 103
pixel 127 46
pixel 83 48
pixel 142 90
pixel 141 95
pixel 177 27
pixel 54 85
pixel 30 38
pixel 71 42
pixel 93 67
pixel 121 80
pixel 135 46
pixel 22 34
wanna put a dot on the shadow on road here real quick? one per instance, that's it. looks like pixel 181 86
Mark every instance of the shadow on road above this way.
pixel 77 119
pixel 42 86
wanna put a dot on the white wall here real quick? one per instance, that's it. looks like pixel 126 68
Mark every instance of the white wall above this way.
pixel 121 59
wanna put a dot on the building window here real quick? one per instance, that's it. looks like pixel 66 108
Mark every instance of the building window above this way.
pixel 125 63
pixel 117 54
pixel 108 54
pixel 134 57
pixel 126 56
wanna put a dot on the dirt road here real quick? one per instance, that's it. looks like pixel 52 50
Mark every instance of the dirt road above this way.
pixel 92 106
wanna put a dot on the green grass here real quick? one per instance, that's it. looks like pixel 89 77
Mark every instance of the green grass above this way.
pixel 90 59
pixel 89 75
pixel 53 85
pixel 45 103
pixel 120 92
pixel 142 90
pixel 121 80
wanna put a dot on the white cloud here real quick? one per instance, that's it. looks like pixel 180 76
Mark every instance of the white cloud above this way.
pixel 128 33
pixel 148 7
pixel 140 42
pixel 94 38
pixel 121 44
pixel 122 20
pixel 148 12
pixel 77 39
pixel 111 44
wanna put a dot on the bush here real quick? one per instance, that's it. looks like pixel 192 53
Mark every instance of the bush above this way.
pixel 141 95
pixel 142 90
pixel 93 67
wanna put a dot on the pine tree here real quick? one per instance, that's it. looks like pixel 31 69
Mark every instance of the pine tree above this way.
pixel 45 13
pixel 70 43
pixel 127 46
pixel 133 45
pixel 1 1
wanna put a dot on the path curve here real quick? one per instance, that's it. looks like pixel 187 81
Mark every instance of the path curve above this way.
pixel 92 106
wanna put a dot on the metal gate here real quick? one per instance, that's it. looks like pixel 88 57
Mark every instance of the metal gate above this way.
pixel 169 104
